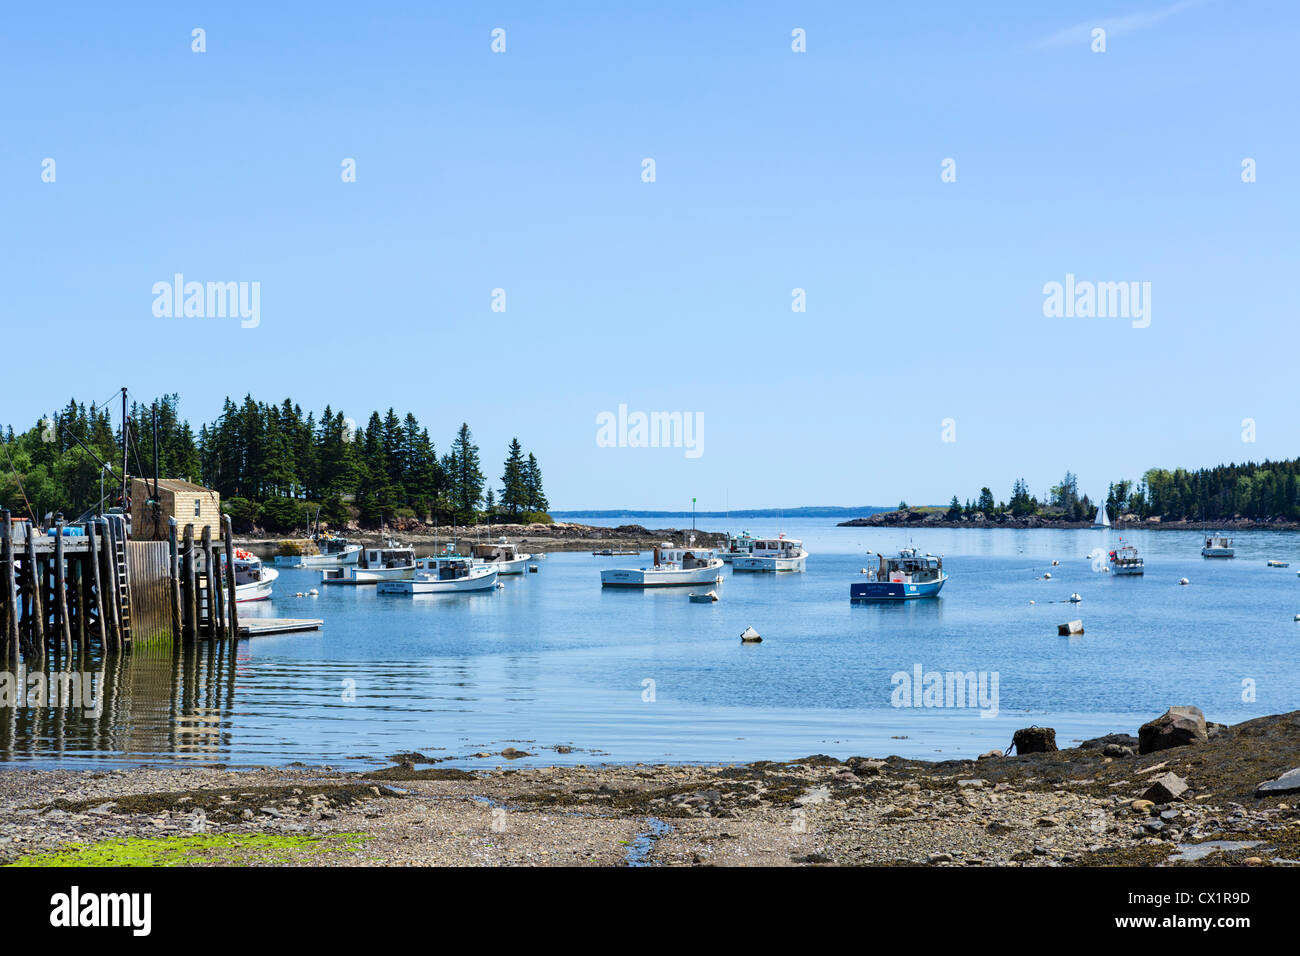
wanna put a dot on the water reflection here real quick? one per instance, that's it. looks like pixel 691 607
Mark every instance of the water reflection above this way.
pixel 151 701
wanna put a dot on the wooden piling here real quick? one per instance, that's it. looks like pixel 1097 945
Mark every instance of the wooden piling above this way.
pixel 228 533
pixel 61 590
pixel 189 589
pixel 175 580
pixel 218 592
pixel 113 603
pixel 208 623
pixel 10 584
pixel 37 636
pixel 97 584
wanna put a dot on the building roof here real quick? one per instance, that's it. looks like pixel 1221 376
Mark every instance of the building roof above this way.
pixel 177 484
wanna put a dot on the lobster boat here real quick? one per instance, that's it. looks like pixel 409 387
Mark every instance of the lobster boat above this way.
pixel 905 576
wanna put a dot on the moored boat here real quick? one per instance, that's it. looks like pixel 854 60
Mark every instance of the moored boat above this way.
pixel 1126 560
pixel 253 579
pixel 772 554
pixel 738 546
pixel 902 577
pixel 330 552
pixel 503 556
pixel 374 565
pixel 1217 546
pixel 672 567
pixel 443 574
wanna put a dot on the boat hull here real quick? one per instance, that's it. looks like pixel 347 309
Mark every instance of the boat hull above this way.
pixel 894 590
pixel 660 577
pixel 256 590
pixel 482 580
pixel 363 576
pixel 1216 552
pixel 768 564
pixel 517 566
pixel 1127 572
pixel 340 560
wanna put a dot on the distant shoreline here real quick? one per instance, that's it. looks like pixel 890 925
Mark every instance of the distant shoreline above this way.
pixel 939 519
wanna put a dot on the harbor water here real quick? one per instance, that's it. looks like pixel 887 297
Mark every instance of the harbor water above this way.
pixel 555 666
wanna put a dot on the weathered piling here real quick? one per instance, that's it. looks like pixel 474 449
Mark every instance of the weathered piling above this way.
pixel 229 535
pixel 207 606
pixel 97 584
pixel 12 606
pixel 189 600
pixel 108 577
pixel 36 632
pixel 175 575
pixel 61 589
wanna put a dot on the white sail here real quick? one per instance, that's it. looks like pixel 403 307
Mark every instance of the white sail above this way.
pixel 1102 520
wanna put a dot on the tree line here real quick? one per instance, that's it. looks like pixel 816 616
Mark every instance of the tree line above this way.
pixel 1258 491
pixel 274 466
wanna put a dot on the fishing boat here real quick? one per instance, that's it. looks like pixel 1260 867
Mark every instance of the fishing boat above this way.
pixel 444 574
pixel 1102 520
pixel 331 552
pixel 1217 546
pixel 1274 563
pixel 737 547
pixel 392 563
pixel 672 567
pixel 606 553
pixel 902 577
pixel 772 554
pixel 503 556
pixel 253 580
pixel 1126 560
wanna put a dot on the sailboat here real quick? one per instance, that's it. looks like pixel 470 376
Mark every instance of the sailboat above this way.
pixel 1102 520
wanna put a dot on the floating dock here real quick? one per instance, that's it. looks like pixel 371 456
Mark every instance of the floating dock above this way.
pixel 261 626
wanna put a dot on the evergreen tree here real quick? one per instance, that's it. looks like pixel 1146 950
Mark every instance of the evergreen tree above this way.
pixel 514 486
pixel 535 497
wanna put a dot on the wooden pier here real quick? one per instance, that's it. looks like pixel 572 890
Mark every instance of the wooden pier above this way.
pixel 69 589
pixel 259 626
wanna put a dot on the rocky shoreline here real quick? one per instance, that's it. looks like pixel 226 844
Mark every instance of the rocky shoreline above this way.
pixel 560 536
pixel 1201 799
pixel 939 519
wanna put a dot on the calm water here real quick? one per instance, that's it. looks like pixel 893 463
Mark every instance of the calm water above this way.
pixel 554 659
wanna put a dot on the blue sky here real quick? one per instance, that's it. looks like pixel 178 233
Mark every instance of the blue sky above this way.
pixel 774 170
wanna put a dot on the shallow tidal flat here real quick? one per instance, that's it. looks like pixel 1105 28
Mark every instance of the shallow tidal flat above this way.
pixel 1070 807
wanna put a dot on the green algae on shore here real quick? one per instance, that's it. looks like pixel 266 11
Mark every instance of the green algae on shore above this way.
pixel 227 849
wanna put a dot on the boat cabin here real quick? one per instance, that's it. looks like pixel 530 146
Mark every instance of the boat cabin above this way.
pixel 387 558
pixel 909 566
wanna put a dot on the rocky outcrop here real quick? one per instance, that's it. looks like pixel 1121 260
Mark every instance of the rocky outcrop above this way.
pixel 1177 727
pixel 1165 789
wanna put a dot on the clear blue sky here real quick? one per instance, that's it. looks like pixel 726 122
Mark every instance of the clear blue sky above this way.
pixel 775 170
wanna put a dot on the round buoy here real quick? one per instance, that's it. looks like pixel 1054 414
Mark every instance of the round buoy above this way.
pixel 750 636
pixel 1075 598
pixel 1032 601
pixel 1055 563
pixel 1184 581
pixel 1047 575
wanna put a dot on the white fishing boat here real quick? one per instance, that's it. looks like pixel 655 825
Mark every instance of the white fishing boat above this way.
pixel 1125 560
pixel 1217 546
pixel 253 579
pixel 772 554
pixel 444 574
pixel 672 567
pixel 502 555
pixel 374 565
pixel 330 552
pixel 738 546
pixel 1102 520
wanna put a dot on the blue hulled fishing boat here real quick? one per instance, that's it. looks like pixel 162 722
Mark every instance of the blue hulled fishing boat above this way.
pixel 902 577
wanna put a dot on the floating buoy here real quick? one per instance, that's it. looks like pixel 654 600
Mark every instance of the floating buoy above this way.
pixel 1297 617
pixel 532 569
pixel 706 598
pixel 1069 627
pixel 863 571
pixel 1075 598
pixel 1047 575
pixel 1032 601
pixel 1055 563
pixel 313 592
pixel 750 636
pixel 300 594
pixel 1184 581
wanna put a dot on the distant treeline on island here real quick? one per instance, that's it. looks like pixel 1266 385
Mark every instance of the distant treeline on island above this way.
pixel 273 465
pixel 1264 492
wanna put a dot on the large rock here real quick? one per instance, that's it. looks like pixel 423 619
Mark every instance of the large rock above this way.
pixel 1176 727
pixel 1289 782
pixel 1034 740
pixel 1166 788
pixel 1099 743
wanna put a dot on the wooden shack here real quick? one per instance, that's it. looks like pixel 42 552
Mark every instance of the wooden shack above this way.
pixel 185 501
